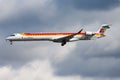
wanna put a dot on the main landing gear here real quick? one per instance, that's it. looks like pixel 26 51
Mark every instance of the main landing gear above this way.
pixel 63 43
pixel 11 42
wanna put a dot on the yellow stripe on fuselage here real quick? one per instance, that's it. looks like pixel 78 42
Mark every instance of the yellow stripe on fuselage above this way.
pixel 49 34
pixel 58 34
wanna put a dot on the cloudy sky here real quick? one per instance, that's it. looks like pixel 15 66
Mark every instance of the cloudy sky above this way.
pixel 82 60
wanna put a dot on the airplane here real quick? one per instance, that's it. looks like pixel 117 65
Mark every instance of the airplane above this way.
pixel 59 37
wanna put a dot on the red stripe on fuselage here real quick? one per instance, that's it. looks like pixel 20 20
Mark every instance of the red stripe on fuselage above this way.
pixel 49 34
pixel 57 34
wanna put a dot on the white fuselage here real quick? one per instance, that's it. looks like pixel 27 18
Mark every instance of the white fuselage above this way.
pixel 49 36
pixel 62 38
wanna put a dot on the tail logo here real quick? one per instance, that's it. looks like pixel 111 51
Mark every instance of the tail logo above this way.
pixel 102 30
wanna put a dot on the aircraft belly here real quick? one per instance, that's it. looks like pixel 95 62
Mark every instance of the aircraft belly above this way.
pixel 39 38
pixel 74 39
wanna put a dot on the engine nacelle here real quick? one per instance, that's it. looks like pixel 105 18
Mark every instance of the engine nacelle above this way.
pixel 89 33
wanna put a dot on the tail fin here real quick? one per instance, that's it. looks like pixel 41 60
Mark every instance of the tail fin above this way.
pixel 103 28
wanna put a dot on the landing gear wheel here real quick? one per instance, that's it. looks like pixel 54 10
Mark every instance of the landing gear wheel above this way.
pixel 10 42
pixel 63 43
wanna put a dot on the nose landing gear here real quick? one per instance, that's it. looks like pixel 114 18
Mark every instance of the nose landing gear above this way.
pixel 11 42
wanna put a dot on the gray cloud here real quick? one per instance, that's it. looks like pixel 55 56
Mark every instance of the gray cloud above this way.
pixel 88 59
pixel 28 15
pixel 92 67
pixel 33 17
pixel 89 4
pixel 91 60
pixel 43 69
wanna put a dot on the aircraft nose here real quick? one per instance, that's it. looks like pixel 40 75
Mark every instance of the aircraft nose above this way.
pixel 8 38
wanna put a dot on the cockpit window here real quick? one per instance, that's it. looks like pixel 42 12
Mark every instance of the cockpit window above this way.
pixel 12 35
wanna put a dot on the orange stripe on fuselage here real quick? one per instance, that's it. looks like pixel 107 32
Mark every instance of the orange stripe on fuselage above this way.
pixel 58 34
pixel 99 34
pixel 49 34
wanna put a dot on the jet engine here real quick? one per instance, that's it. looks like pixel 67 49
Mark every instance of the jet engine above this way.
pixel 88 33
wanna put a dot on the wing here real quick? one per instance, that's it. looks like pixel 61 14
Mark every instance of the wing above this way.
pixel 65 39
